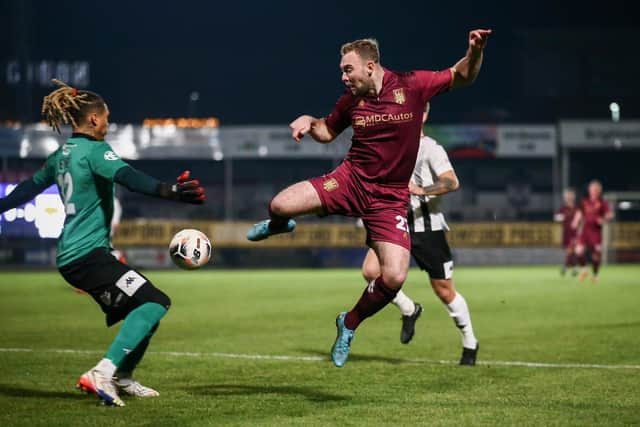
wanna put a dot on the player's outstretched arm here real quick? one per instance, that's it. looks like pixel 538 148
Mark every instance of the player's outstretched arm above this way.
pixel 445 183
pixel 317 128
pixel 468 68
pixel 23 192
pixel 186 189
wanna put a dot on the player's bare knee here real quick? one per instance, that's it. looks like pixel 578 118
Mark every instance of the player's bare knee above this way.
pixel 278 206
pixel 370 274
pixel 394 278
pixel 367 276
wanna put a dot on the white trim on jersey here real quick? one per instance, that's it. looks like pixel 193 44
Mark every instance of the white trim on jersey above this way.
pixel 432 161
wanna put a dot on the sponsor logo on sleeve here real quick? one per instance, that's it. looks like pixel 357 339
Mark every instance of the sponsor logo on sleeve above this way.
pixel 110 155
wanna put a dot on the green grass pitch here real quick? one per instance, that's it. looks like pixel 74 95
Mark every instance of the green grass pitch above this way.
pixel 205 359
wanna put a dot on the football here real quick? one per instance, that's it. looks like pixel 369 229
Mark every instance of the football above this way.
pixel 190 249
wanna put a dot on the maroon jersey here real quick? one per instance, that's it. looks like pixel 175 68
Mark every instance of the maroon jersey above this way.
pixel 386 128
pixel 568 233
pixel 593 212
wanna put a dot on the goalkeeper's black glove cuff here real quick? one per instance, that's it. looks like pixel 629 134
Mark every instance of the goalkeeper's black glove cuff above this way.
pixel 186 192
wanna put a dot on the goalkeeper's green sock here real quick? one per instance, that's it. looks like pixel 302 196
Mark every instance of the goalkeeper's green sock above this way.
pixel 126 368
pixel 136 328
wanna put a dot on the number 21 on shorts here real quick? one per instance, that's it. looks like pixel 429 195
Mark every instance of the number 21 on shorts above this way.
pixel 402 223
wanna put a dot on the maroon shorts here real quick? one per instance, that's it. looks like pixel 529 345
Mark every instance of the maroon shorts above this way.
pixel 569 240
pixel 591 239
pixel 382 207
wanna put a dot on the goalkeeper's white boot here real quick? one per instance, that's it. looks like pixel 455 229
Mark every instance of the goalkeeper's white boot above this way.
pixel 95 382
pixel 134 388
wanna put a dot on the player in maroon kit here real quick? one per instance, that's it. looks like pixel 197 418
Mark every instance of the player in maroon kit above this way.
pixel 593 212
pixel 565 215
pixel 385 110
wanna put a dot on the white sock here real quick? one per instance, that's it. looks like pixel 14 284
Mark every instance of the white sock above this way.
pixel 106 368
pixel 459 311
pixel 404 303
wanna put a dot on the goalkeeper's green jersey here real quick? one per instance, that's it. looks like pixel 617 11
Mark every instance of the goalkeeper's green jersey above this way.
pixel 83 170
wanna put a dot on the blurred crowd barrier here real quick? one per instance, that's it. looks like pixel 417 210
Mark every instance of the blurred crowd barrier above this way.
pixel 319 235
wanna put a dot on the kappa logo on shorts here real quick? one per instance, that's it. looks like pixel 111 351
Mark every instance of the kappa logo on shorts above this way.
pixel 330 185
pixel 130 282
pixel 110 155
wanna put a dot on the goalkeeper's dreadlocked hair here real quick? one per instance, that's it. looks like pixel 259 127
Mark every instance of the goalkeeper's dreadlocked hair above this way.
pixel 69 106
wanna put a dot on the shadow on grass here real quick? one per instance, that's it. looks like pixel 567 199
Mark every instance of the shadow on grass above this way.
pixel 16 391
pixel 623 325
pixel 355 358
pixel 248 390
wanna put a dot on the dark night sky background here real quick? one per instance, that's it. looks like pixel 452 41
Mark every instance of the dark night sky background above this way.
pixel 267 62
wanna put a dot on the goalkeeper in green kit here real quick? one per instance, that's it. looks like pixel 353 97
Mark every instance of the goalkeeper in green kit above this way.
pixel 85 169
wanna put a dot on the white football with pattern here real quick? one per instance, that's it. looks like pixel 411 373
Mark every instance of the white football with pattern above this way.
pixel 190 249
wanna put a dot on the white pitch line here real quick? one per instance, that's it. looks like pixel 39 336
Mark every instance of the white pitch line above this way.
pixel 326 359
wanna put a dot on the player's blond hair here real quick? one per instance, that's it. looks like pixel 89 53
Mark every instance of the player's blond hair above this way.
pixel 366 49
pixel 69 106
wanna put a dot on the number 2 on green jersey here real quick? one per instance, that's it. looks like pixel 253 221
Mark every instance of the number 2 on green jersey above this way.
pixel 65 183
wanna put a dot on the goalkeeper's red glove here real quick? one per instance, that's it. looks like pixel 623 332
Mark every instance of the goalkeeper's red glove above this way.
pixel 185 190
pixel 184 176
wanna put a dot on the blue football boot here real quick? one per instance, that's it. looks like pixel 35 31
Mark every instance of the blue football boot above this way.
pixel 342 346
pixel 261 230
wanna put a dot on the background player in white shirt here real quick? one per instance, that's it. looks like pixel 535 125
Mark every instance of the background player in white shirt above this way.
pixel 433 175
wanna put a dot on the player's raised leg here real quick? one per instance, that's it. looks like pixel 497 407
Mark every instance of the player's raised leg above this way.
pixel 410 310
pixel 459 312
pixel 299 199
pixel 394 263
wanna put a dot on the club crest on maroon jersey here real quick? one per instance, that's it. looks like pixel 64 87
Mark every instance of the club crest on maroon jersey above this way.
pixel 398 94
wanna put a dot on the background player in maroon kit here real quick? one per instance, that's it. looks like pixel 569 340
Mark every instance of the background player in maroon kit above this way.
pixel 385 110
pixel 593 212
pixel 565 216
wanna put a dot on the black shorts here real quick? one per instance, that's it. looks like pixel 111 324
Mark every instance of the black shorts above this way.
pixel 432 254
pixel 115 286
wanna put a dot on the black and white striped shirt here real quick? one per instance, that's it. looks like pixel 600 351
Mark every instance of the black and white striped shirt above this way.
pixel 432 161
